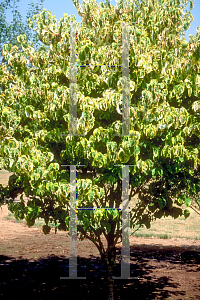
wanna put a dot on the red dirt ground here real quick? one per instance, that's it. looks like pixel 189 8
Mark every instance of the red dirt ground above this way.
pixel 32 263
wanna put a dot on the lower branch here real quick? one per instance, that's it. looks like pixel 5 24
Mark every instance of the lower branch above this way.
pixel 100 247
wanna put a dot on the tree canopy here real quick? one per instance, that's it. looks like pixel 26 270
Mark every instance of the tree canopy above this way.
pixel 162 147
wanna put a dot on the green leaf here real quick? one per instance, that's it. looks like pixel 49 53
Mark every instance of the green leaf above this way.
pixel 46 229
pixel 187 201
pixel 108 227
pixel 67 222
pixel 137 150
pixel 157 171
pixel 98 215
pixel 115 214
pixel 160 172
pixel 99 231
pixel 155 151
pixel 30 221
pixel 153 173
pixel 186 213
pixel 180 200
pixel 91 196
pixel 152 207
pixel 176 212
pixel 198 78
pixel 86 221
pixel 161 202
pixel 184 44
pixel 191 5
pixel 138 32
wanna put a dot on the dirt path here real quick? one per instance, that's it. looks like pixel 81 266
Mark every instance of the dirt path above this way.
pixel 32 263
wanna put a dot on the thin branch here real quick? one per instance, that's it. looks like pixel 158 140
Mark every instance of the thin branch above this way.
pixel 117 237
pixel 89 237
pixel 106 193
pixel 136 230
pixel 106 236
pixel 101 247
pixel 131 191
pixel 136 191
pixel 194 209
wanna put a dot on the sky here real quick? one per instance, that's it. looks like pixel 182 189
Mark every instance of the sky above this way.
pixel 59 7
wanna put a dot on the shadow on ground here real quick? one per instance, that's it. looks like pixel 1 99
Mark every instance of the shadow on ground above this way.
pixel 40 279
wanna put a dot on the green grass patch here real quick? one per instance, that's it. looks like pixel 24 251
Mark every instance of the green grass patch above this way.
pixel 38 222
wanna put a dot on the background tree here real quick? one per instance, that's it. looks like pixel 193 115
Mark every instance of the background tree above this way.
pixel 10 31
pixel 164 104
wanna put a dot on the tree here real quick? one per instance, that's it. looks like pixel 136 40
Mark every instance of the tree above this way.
pixel 163 145
pixel 10 31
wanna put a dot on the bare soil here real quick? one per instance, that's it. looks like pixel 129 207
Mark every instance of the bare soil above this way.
pixel 32 263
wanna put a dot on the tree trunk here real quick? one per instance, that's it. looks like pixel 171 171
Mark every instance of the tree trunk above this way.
pixel 110 288
pixel 109 262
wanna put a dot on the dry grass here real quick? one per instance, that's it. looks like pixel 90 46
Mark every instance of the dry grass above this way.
pixel 169 227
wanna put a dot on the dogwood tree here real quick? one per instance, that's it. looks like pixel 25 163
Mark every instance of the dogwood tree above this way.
pixel 161 146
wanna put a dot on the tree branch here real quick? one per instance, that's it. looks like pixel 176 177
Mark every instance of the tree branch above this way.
pixel 136 229
pixel 194 209
pixel 89 237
